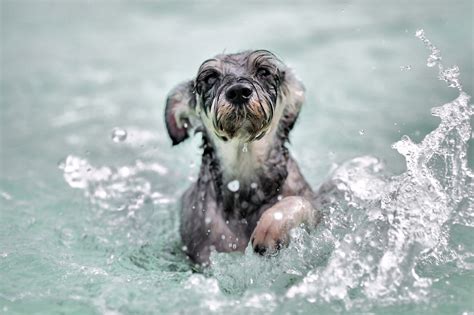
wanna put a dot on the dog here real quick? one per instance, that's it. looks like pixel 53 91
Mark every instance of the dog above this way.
pixel 249 188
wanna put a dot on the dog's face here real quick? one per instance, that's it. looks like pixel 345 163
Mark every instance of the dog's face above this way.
pixel 233 96
pixel 238 93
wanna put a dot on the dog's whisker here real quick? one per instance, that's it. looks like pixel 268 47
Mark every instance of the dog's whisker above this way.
pixel 260 102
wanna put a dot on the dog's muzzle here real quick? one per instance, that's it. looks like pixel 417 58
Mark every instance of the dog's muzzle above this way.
pixel 242 110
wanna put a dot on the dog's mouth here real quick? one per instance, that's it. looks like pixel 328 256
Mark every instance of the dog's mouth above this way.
pixel 247 119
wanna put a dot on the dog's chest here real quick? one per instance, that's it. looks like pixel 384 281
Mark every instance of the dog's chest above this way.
pixel 240 161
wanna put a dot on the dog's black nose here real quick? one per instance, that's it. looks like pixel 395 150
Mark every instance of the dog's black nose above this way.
pixel 238 93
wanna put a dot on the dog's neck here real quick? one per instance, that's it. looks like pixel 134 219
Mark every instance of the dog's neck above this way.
pixel 240 160
pixel 245 175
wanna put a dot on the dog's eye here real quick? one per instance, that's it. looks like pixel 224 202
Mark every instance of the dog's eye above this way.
pixel 263 72
pixel 211 79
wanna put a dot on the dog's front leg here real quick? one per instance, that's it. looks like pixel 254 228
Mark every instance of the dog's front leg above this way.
pixel 272 230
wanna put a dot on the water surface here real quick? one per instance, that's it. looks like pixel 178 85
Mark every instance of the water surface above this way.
pixel 89 181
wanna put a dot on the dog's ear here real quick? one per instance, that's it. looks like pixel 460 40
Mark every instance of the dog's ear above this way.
pixel 180 106
pixel 293 92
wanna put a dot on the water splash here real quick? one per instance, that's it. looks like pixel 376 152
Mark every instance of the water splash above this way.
pixel 385 240
pixel 115 189
pixel 449 75
pixel 382 235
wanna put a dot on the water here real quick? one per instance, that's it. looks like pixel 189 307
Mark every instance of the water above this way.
pixel 119 135
pixel 89 182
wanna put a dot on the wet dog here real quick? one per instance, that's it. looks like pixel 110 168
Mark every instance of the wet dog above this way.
pixel 249 187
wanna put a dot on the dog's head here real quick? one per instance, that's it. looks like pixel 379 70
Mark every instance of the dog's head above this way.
pixel 235 96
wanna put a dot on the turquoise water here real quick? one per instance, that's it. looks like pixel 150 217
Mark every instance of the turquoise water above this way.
pixel 88 225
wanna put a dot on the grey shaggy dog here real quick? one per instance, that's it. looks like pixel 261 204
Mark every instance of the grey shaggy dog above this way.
pixel 249 187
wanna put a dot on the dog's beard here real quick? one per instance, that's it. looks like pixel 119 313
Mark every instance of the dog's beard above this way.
pixel 247 122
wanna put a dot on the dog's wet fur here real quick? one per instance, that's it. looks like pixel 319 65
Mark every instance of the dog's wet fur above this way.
pixel 245 106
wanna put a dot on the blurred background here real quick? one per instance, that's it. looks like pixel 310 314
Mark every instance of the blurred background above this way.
pixel 72 71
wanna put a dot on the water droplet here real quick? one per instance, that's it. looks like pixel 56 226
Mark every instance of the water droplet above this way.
pixel 278 216
pixel 245 147
pixel 280 197
pixel 405 68
pixel 234 185
pixel 61 164
pixel 119 135
pixel 254 185
pixel 420 33
pixel 362 132
pixel 432 61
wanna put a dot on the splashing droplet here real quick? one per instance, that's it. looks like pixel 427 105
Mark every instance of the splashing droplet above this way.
pixel 278 216
pixel 451 76
pixel 362 132
pixel 234 185
pixel 245 147
pixel 405 68
pixel 119 135
pixel 420 33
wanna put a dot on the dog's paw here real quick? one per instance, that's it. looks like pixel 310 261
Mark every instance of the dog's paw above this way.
pixel 272 230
